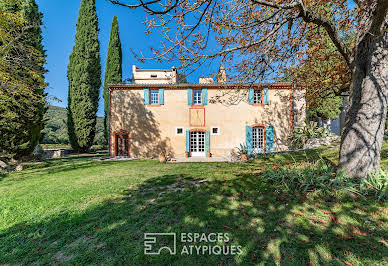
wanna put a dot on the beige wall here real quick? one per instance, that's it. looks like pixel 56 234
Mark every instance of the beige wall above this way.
pixel 152 128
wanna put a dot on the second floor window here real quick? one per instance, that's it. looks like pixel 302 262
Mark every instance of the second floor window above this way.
pixel 154 97
pixel 257 96
pixel 197 96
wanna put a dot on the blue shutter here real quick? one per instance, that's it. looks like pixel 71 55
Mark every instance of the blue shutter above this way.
pixel 204 96
pixel 266 97
pixel 250 96
pixel 146 96
pixel 269 133
pixel 189 96
pixel 161 95
pixel 248 139
pixel 207 142
pixel 187 141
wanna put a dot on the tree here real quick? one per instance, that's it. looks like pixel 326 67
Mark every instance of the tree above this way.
pixel 84 75
pixel 113 69
pixel 324 75
pixel 261 38
pixel 22 97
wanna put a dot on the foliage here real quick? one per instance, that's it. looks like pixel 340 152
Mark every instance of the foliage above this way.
pixel 22 83
pixel 243 149
pixel 55 131
pixel 301 134
pixel 321 178
pixel 113 69
pixel 84 74
pixel 375 184
pixel 324 75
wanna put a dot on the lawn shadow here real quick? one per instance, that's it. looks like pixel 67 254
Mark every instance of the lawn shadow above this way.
pixel 271 227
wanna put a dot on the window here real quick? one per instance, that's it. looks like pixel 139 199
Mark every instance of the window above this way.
pixel 257 96
pixel 258 139
pixel 179 131
pixel 215 131
pixel 154 97
pixel 197 96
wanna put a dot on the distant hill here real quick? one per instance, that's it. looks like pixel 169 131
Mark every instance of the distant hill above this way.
pixel 55 131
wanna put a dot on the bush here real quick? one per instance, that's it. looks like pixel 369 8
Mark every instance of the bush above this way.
pixel 321 178
pixel 300 135
pixel 375 185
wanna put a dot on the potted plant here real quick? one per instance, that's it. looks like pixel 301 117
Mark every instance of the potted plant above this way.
pixel 162 157
pixel 243 152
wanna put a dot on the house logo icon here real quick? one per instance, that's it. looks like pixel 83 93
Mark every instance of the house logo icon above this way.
pixel 154 243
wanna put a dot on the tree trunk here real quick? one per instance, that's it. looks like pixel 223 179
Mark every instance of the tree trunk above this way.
pixel 363 133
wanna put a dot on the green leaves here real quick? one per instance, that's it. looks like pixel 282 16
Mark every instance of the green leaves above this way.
pixel 113 69
pixel 84 75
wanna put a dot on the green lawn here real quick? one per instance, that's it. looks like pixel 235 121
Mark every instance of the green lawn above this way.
pixel 83 211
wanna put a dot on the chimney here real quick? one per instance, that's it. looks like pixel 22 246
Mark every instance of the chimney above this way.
pixel 221 76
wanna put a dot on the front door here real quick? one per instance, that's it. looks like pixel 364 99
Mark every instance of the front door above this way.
pixel 197 143
pixel 122 144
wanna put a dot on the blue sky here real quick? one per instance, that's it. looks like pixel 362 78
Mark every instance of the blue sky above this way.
pixel 60 19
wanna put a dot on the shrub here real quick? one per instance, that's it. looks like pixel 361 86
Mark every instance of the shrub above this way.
pixel 375 185
pixel 300 135
pixel 321 178
pixel 243 149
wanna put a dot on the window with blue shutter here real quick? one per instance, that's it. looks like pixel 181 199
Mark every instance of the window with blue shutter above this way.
pixel 187 141
pixel 189 96
pixel 250 95
pixel 266 96
pixel 161 95
pixel 207 142
pixel 248 139
pixel 204 96
pixel 269 140
pixel 146 96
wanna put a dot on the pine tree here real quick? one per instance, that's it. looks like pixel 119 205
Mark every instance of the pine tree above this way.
pixel 84 74
pixel 113 69
pixel 22 97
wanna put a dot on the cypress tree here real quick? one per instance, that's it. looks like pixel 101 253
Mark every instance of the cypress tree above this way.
pixel 84 74
pixel 113 69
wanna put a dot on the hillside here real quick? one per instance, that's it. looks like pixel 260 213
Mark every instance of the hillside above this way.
pixel 55 131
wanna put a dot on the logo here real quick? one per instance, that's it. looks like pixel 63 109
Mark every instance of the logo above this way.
pixel 154 243
pixel 192 244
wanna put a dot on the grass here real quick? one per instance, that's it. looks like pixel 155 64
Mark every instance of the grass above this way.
pixel 83 211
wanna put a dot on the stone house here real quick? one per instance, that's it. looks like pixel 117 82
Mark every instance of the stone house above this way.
pixel 156 114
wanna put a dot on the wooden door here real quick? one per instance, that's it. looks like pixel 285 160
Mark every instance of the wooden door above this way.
pixel 122 144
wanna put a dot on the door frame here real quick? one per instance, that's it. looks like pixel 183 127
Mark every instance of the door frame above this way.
pixel 202 154
pixel 121 132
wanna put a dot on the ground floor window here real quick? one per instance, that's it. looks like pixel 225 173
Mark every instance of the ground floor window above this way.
pixel 258 139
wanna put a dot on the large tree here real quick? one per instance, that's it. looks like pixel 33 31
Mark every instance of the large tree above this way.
pixel 84 74
pixel 261 36
pixel 324 75
pixel 113 69
pixel 22 83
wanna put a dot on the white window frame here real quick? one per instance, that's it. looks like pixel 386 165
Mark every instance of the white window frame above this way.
pixel 256 141
pixel 215 134
pixel 257 100
pixel 151 98
pixel 179 134
pixel 197 100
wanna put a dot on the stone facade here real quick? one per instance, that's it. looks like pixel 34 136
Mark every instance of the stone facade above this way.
pixel 166 126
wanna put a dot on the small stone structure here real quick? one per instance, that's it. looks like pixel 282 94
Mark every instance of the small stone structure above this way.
pixel 314 143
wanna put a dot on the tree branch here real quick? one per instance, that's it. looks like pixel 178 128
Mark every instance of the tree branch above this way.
pixel 312 17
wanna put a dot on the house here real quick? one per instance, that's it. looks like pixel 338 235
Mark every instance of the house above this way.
pixel 156 114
